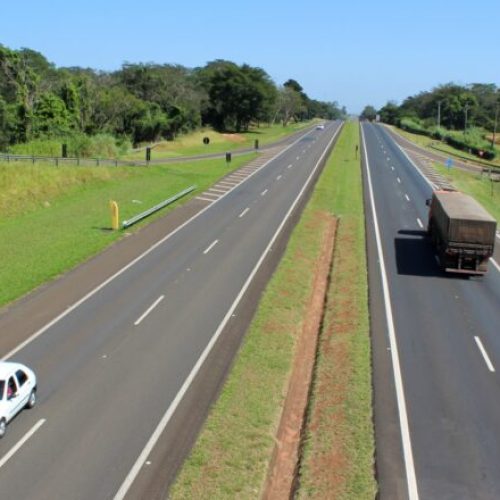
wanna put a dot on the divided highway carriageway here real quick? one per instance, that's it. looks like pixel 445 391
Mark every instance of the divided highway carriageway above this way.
pixel 127 373
pixel 436 344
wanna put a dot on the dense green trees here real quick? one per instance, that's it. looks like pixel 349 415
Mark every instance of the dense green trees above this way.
pixel 450 104
pixel 461 115
pixel 141 102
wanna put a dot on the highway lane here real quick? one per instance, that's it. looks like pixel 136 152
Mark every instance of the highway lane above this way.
pixel 110 369
pixel 446 330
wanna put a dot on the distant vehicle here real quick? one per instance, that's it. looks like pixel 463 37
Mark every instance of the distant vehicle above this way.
pixel 320 127
pixel 17 391
pixel 462 231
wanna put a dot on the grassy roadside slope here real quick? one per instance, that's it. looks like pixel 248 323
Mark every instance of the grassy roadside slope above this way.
pixel 233 452
pixel 55 218
pixel 338 458
pixel 192 143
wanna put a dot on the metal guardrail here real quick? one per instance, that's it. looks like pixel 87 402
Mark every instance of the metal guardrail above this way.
pixel 78 161
pixel 146 213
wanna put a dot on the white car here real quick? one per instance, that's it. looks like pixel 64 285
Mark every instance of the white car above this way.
pixel 320 127
pixel 17 391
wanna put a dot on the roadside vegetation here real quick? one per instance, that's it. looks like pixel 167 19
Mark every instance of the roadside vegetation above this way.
pixel 232 455
pixel 461 117
pixel 52 218
pixel 97 113
pixel 478 186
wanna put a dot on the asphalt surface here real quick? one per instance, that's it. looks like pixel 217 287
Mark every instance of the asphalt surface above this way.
pixel 437 410
pixel 127 374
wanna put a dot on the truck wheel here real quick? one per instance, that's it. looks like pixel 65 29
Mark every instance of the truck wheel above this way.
pixel 3 427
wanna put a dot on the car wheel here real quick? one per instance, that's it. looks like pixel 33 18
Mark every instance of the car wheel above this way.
pixel 3 427
pixel 32 399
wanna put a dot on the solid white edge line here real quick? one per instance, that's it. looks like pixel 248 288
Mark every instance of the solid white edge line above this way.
pixel 487 360
pixel 127 483
pixel 20 443
pixel 149 309
pixel 420 223
pixel 92 292
pixel 398 380
pixel 210 246
pixel 244 212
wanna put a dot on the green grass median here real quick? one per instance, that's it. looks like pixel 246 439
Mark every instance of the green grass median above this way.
pixel 233 452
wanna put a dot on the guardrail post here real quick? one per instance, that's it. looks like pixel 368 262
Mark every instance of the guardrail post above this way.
pixel 33 159
pixel 115 215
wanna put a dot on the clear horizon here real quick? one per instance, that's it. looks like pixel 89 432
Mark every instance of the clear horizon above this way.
pixel 356 54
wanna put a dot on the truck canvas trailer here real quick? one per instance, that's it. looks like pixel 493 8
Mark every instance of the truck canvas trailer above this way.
pixel 462 231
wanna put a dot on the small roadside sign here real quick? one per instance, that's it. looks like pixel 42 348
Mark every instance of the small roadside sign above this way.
pixel 449 163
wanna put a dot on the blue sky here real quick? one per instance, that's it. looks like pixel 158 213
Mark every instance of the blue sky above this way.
pixel 354 52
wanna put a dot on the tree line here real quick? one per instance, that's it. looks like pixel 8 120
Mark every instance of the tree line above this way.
pixel 465 116
pixel 142 102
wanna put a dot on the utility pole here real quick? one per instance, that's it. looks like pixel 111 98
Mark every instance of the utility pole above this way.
pixel 466 109
pixel 495 127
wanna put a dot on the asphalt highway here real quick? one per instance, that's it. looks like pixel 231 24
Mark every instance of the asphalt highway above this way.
pixel 436 345
pixel 121 367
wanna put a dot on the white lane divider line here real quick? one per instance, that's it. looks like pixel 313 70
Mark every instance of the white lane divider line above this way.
pixel 279 177
pixel 264 192
pixel 407 197
pixel 399 180
pixel 495 263
pixel 210 246
pixel 23 440
pixel 244 212
pixel 411 478
pixel 420 223
pixel 149 309
pixel 487 360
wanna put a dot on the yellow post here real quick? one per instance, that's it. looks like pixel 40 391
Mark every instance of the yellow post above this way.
pixel 115 215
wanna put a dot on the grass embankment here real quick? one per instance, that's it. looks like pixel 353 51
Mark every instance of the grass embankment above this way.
pixel 192 143
pixel 339 448
pixel 232 455
pixel 441 147
pixel 52 218
pixel 478 186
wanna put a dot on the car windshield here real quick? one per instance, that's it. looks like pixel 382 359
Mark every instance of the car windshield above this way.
pixel 2 386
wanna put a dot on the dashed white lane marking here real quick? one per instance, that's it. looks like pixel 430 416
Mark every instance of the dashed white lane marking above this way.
pixel 279 177
pixel 392 168
pixel 487 360
pixel 495 263
pixel 244 212
pixel 23 440
pixel 210 246
pixel 407 197
pixel 149 309
pixel 298 157
pixel 264 192
pixel 290 166
pixel 399 180
pixel 420 223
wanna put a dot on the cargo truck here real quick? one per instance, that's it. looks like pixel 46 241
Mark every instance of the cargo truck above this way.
pixel 462 231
